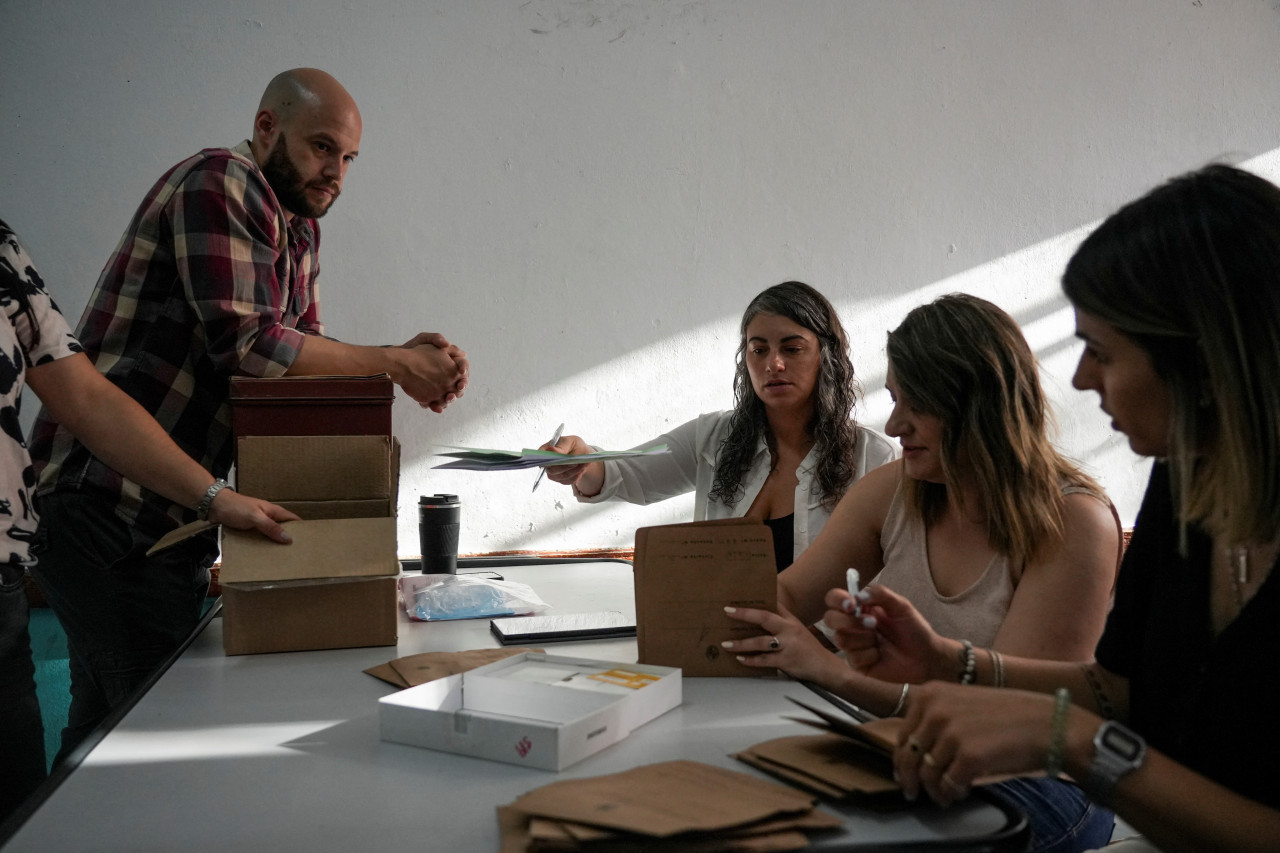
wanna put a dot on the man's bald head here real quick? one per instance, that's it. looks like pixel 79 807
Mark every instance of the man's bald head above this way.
pixel 305 135
pixel 300 89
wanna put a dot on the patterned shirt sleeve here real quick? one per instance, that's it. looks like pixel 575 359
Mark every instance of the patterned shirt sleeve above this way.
pixel 42 332
pixel 32 332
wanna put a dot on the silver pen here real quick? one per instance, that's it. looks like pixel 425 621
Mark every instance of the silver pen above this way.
pixel 542 472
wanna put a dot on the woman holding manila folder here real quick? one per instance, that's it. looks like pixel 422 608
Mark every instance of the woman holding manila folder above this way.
pixel 983 525
pixel 1177 298
pixel 785 453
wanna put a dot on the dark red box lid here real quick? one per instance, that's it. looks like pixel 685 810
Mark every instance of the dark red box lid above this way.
pixel 312 405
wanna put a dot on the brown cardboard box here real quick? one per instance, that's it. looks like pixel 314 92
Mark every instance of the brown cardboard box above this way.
pixel 312 405
pixel 685 575
pixel 335 585
pixel 321 476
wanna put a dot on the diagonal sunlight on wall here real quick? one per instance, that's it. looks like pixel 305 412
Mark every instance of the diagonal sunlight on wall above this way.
pixel 644 392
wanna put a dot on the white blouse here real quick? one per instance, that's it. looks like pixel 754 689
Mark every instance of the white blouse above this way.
pixel 691 466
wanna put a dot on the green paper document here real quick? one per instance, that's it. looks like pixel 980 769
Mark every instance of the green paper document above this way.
pixel 480 459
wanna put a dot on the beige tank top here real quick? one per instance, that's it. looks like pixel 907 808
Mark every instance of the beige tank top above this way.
pixel 976 613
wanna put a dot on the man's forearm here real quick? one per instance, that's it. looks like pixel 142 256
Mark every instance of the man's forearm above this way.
pixel 427 368
pixel 321 356
pixel 114 427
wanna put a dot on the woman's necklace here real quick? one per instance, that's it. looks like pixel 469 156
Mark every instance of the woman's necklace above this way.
pixel 1240 562
pixel 1240 577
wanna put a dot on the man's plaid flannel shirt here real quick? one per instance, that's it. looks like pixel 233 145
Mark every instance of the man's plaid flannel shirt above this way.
pixel 209 280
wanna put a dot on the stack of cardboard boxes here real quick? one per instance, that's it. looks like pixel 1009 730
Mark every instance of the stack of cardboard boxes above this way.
pixel 321 447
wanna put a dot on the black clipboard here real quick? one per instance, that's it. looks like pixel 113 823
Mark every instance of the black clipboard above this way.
pixel 562 627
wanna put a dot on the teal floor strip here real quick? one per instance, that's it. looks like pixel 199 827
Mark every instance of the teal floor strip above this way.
pixel 53 678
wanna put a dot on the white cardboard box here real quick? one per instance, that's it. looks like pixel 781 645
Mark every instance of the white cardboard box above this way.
pixel 532 709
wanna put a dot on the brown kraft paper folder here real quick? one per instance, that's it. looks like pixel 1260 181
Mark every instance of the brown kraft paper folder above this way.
pixel 685 575
pixel 863 765
pixel 412 670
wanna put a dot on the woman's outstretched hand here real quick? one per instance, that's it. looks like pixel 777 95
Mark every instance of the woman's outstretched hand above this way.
pixel 587 476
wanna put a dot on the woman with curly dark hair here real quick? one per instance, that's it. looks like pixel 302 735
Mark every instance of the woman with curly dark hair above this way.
pixel 787 451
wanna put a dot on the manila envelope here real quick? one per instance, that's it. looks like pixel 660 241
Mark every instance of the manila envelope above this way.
pixel 878 736
pixel 830 765
pixel 685 575
pixel 412 670
pixel 665 799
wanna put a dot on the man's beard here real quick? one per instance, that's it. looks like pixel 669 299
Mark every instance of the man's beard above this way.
pixel 290 188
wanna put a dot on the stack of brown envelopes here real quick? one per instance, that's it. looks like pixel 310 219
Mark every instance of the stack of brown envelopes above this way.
pixel 678 806
pixel 850 759
pixel 829 765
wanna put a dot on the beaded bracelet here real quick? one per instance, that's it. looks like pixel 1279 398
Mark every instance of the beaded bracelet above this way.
pixel 1057 732
pixel 967 660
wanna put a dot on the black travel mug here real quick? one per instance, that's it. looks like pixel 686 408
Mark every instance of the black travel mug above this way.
pixel 438 523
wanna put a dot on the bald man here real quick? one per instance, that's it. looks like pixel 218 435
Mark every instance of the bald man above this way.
pixel 214 277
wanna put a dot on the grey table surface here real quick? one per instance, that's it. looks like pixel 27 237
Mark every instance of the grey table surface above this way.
pixel 281 751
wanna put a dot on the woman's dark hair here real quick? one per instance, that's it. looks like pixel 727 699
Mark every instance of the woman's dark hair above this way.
pixel 1191 273
pixel 837 391
pixel 964 361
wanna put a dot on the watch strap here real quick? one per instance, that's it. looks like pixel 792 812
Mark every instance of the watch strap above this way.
pixel 1117 750
pixel 206 503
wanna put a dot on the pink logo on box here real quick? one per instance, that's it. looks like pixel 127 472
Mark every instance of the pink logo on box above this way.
pixel 523 746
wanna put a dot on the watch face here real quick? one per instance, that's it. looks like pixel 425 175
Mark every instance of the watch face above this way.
pixel 1121 742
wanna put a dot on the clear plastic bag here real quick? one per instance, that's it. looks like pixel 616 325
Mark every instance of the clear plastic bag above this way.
pixel 433 598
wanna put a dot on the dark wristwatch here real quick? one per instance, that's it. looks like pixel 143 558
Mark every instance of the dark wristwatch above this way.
pixel 1116 751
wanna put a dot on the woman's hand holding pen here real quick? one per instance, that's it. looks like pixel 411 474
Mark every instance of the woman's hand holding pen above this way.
pixel 587 477
pixel 890 640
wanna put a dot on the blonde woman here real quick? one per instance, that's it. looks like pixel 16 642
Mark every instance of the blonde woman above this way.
pixel 1000 540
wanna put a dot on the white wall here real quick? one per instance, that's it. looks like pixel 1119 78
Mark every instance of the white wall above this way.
pixel 584 194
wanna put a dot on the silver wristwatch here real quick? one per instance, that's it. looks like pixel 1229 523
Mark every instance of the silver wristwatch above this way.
pixel 1116 751
pixel 206 503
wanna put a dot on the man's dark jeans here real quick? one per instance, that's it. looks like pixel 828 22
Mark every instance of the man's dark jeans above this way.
pixel 22 759
pixel 124 612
